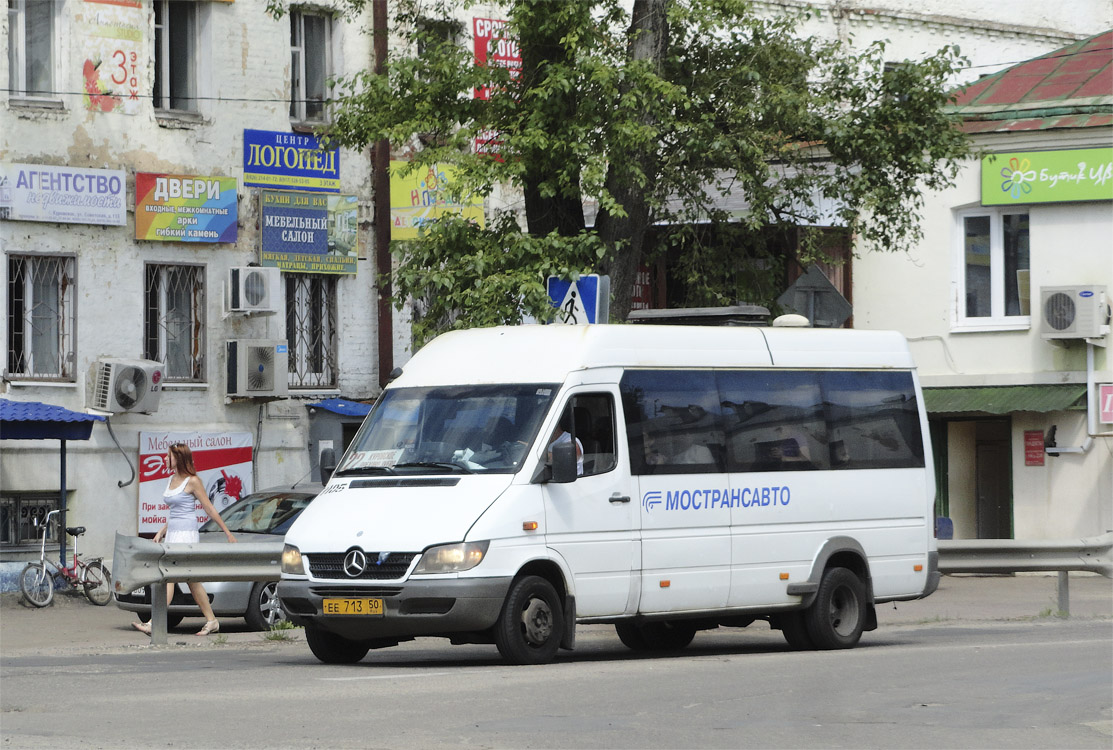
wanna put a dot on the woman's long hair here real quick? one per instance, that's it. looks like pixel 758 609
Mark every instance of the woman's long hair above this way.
pixel 183 458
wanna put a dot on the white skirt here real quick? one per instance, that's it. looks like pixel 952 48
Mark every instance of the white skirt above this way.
pixel 182 537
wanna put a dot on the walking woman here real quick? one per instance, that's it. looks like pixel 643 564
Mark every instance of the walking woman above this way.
pixel 183 492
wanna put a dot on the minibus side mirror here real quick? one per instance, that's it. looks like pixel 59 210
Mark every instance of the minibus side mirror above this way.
pixel 327 464
pixel 564 462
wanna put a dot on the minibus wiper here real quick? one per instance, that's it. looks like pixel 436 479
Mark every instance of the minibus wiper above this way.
pixel 434 465
pixel 363 470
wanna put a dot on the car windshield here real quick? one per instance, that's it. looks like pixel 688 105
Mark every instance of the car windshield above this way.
pixel 262 513
pixel 458 429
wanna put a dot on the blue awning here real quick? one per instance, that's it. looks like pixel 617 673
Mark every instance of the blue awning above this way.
pixel 344 407
pixel 33 420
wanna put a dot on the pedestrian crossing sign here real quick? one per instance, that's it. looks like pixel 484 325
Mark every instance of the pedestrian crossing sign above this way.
pixel 585 300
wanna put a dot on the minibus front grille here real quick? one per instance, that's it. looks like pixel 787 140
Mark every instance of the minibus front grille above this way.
pixel 391 566
pixel 384 591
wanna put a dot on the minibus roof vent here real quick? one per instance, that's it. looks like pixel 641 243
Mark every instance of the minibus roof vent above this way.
pixel 791 320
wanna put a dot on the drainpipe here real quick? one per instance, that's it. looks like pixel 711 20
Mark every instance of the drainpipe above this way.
pixel 1091 410
pixel 381 189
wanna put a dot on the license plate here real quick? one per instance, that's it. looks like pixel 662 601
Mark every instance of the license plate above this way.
pixel 353 607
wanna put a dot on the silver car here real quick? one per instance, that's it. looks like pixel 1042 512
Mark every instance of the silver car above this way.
pixel 260 517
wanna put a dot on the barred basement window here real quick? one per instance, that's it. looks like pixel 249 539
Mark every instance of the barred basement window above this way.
pixel 41 292
pixel 18 511
pixel 174 320
pixel 311 330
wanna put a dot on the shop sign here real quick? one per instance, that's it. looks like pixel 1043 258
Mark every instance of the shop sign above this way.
pixel 114 62
pixel 495 47
pixel 425 195
pixel 1024 177
pixel 223 462
pixel 273 159
pixel 310 232
pixel 1033 448
pixel 1105 403
pixel 185 208
pixel 72 195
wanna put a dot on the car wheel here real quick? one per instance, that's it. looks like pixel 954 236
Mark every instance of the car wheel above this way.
pixel 838 615
pixel 264 610
pixel 531 625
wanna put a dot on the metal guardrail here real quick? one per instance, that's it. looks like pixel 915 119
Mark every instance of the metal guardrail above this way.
pixel 139 562
pixel 1089 554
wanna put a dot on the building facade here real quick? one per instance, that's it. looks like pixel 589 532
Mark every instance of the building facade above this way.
pixel 164 200
pixel 1006 303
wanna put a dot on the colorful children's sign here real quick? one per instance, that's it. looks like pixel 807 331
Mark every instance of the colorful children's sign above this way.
pixel 425 195
pixel 185 208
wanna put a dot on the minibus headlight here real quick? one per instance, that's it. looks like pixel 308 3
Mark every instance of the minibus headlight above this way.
pixel 451 558
pixel 291 560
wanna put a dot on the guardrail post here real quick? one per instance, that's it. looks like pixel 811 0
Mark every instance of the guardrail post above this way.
pixel 158 614
pixel 1064 594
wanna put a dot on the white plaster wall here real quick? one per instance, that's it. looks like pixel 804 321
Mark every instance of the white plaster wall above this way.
pixel 249 72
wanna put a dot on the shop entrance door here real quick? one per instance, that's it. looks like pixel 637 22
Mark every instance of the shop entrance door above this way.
pixel 993 489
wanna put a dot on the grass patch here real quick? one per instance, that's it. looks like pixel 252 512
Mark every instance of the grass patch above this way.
pixel 280 631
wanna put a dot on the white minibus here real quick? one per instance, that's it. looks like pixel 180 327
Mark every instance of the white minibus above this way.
pixel 513 482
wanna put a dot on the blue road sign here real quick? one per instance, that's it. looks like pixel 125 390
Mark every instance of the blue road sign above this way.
pixel 585 300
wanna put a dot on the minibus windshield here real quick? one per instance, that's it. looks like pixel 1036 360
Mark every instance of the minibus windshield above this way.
pixel 481 429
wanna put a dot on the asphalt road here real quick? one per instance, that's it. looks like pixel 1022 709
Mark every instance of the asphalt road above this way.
pixel 982 663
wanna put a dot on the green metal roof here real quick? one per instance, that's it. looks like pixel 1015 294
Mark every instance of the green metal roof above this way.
pixel 1004 399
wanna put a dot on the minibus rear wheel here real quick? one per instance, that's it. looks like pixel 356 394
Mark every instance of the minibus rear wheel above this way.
pixel 333 649
pixel 838 614
pixel 531 625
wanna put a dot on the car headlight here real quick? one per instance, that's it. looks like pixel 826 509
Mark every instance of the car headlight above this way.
pixel 291 560
pixel 451 558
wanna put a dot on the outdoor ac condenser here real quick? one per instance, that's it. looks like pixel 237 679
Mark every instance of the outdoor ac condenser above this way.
pixel 1073 312
pixel 258 368
pixel 253 289
pixel 124 385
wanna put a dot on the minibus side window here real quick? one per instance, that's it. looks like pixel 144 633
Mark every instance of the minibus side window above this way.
pixel 592 420
pixel 774 420
pixel 673 421
pixel 873 421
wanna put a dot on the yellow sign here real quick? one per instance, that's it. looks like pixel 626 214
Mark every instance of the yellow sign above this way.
pixel 424 196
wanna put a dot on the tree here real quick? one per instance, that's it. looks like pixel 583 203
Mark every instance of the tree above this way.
pixel 653 115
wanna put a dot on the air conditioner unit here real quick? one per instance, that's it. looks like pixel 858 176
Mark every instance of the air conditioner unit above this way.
pixel 119 385
pixel 1073 312
pixel 253 289
pixel 258 368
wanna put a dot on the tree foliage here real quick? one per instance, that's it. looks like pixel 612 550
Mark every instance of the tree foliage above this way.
pixel 651 117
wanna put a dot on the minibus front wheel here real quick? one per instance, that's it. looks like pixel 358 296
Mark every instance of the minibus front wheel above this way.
pixel 531 625
pixel 838 615
pixel 331 648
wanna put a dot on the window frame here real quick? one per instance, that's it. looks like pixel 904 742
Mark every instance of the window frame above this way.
pixel 10 505
pixel 17 53
pixel 66 331
pixel 298 95
pixel 162 81
pixel 998 320
pixel 197 323
pixel 323 371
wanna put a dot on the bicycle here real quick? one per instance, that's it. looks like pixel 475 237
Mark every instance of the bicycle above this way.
pixel 37 579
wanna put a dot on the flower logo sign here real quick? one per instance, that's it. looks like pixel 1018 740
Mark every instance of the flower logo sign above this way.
pixel 1019 176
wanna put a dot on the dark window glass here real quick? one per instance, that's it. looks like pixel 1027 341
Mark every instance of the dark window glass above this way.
pixel 672 421
pixel 872 420
pixel 774 420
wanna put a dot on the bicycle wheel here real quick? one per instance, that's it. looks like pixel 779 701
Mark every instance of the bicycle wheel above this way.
pixel 37 584
pixel 98 583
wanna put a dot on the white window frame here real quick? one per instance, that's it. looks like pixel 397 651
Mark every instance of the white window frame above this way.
pixel 161 68
pixel 17 51
pixel 997 320
pixel 158 347
pixel 298 55
pixel 62 369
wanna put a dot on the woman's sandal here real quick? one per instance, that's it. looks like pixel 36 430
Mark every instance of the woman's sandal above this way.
pixel 211 626
pixel 142 627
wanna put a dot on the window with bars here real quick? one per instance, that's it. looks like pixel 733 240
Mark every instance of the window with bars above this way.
pixel 310 65
pixel 41 291
pixel 175 82
pixel 18 511
pixel 311 330
pixel 174 320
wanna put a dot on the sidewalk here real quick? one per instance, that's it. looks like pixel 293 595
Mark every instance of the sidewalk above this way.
pixel 72 625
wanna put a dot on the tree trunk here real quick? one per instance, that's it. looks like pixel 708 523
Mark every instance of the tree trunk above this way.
pixel 648 41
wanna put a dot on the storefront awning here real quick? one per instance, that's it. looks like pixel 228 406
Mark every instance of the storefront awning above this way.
pixel 1004 399
pixel 31 420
